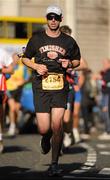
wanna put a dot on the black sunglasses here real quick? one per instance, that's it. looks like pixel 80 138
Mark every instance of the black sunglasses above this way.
pixel 54 16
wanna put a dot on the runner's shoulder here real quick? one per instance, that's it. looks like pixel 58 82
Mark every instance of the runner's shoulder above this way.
pixel 68 37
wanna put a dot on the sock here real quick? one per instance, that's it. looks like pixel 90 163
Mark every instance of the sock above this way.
pixel 12 125
pixel 75 130
pixel 57 140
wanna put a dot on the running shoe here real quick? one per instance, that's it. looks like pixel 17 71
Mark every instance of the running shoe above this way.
pixel 45 145
pixel 12 130
pixel 76 135
pixel 104 136
pixel 54 170
pixel 67 140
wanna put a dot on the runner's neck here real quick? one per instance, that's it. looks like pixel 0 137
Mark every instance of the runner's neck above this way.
pixel 53 33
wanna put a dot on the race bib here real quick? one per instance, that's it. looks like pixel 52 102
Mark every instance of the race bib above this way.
pixel 53 81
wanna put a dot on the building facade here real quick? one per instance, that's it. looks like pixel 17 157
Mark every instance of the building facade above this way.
pixel 89 20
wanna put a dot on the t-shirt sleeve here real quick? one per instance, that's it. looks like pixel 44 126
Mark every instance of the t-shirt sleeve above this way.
pixel 74 51
pixel 30 49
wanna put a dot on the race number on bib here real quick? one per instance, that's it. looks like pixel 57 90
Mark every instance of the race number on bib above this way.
pixel 53 81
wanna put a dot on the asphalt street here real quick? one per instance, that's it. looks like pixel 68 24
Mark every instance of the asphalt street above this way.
pixel 23 160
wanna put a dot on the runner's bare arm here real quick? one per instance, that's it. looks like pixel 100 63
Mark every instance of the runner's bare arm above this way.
pixel 83 65
pixel 66 63
pixel 40 68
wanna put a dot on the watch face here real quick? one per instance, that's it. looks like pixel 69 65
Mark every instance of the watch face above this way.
pixel 70 65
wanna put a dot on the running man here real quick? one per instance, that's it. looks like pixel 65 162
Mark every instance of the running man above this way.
pixel 50 87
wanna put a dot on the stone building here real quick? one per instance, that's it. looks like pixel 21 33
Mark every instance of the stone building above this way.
pixel 89 20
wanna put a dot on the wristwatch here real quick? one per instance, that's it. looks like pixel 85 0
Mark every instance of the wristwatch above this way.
pixel 70 65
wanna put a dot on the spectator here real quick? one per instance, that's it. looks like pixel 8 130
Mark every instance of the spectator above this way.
pixel 6 67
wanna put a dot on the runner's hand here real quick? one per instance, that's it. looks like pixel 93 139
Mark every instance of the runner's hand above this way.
pixel 41 69
pixel 64 62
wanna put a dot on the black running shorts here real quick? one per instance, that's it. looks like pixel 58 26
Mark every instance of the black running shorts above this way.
pixel 44 101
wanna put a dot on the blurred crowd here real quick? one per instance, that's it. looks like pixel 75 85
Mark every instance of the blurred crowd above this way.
pixel 93 115
pixel 19 105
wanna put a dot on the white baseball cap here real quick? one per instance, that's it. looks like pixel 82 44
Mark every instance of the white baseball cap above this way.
pixel 54 9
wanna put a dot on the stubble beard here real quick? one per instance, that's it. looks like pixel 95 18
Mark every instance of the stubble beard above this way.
pixel 54 29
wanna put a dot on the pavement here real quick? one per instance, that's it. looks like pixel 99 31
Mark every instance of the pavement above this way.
pixel 22 159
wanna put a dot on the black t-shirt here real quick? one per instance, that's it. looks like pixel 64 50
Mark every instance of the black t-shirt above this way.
pixel 47 50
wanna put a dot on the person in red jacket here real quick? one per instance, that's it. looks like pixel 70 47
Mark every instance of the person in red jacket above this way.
pixel 6 67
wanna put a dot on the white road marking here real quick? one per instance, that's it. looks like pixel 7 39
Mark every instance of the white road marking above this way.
pixel 90 162
pixel 104 152
pixel 105 171
pixel 91 157
pixel 102 146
